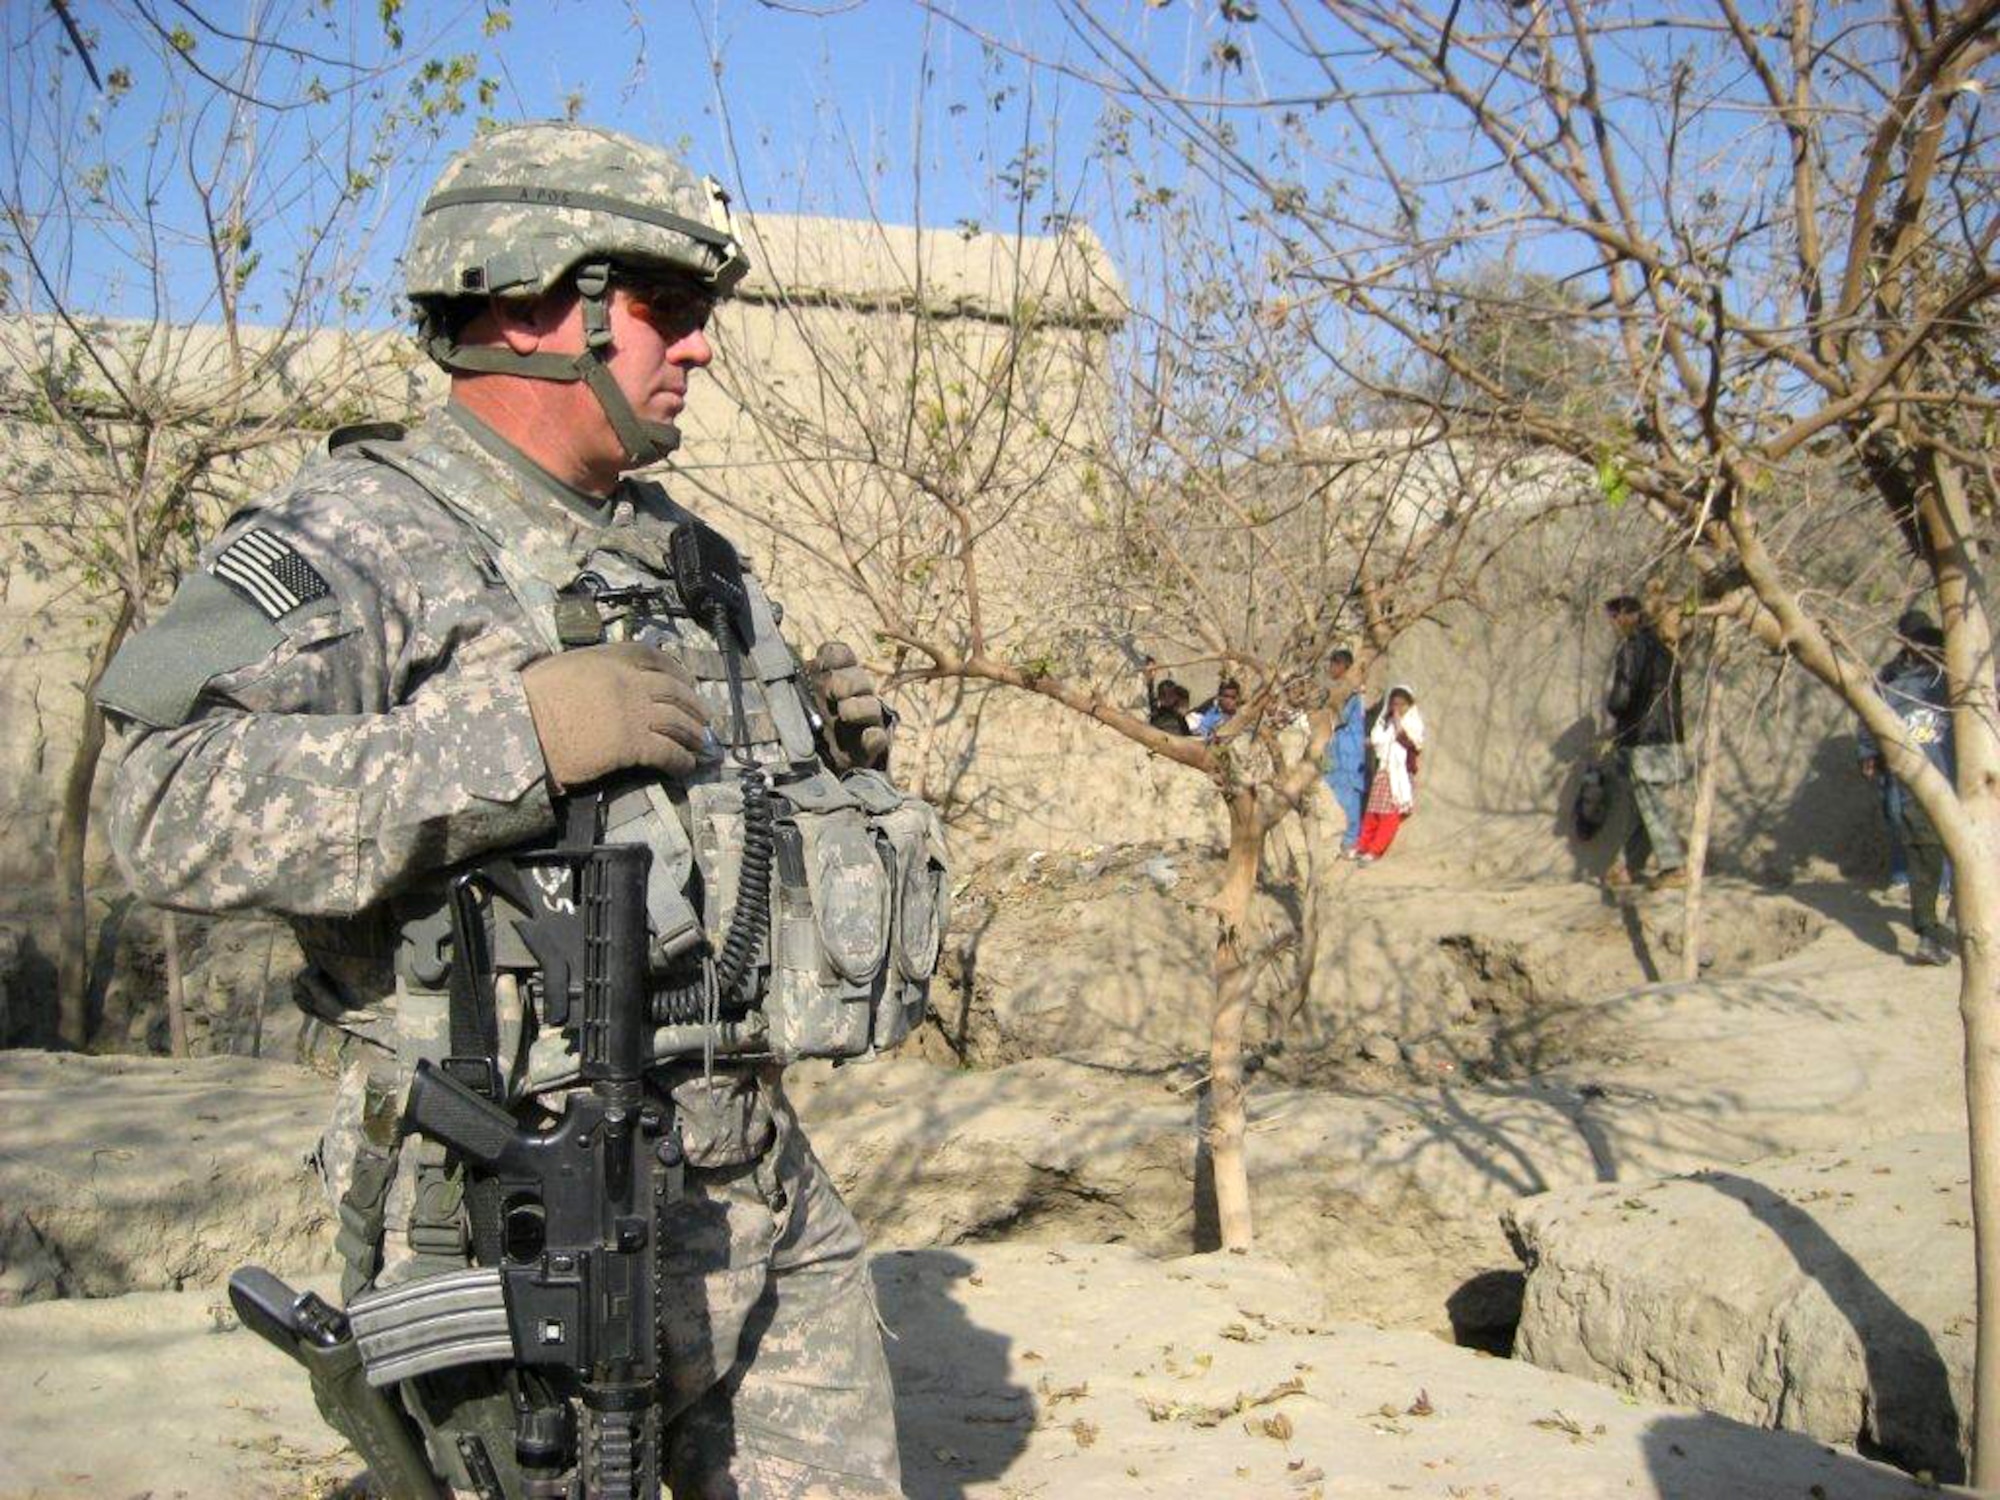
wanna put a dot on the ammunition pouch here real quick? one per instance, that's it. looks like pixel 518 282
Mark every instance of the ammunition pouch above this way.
pixel 856 918
pixel 912 842
pixel 723 1122
pixel 437 1213
pixel 363 1213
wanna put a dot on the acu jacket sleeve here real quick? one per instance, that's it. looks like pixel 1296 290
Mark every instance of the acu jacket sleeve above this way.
pixel 294 739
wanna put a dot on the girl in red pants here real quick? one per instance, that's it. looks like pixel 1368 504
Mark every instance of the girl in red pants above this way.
pixel 1397 741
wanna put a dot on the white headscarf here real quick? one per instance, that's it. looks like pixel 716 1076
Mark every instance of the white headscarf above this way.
pixel 1390 756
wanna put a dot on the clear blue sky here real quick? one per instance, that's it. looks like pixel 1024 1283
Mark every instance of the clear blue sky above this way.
pixel 826 104
pixel 847 107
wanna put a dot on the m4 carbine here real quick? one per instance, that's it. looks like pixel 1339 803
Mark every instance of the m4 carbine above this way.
pixel 562 1218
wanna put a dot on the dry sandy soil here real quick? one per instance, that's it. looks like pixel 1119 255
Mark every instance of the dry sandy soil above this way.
pixel 1078 1371
pixel 1445 1054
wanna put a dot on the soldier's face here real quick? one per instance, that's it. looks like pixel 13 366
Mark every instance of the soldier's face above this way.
pixel 659 338
pixel 658 341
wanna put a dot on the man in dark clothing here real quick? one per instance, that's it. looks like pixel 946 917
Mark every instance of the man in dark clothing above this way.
pixel 1916 687
pixel 1645 708
pixel 1169 709
pixel 1166 702
pixel 1909 626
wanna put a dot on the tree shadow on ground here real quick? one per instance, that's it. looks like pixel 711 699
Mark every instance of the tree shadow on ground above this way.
pixel 1635 933
pixel 31 984
pixel 960 1419
pixel 1869 919
pixel 1913 1421
pixel 1833 815
pixel 1698 1456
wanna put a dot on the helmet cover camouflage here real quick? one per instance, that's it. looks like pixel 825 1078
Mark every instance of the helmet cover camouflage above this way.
pixel 523 205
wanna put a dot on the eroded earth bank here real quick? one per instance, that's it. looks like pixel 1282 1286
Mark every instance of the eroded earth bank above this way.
pixel 1535 1217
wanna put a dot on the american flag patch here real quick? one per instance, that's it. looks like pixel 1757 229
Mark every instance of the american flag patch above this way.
pixel 267 572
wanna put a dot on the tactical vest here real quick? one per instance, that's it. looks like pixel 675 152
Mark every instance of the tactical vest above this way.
pixel 842 964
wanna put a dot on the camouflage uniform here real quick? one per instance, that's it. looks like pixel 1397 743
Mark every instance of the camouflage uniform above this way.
pixel 328 716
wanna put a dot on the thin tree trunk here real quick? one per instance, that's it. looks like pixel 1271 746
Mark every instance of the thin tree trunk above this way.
pixel 72 899
pixel 72 844
pixel 1707 774
pixel 1310 874
pixel 1970 825
pixel 177 1029
pixel 1976 898
pixel 1228 1114
pixel 263 995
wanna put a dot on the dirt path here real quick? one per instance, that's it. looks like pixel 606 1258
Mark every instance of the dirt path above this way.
pixel 1385 1201
pixel 1060 1371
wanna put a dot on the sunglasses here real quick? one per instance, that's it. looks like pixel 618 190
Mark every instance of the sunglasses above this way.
pixel 665 301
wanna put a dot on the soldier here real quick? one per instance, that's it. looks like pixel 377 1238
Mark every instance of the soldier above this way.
pixel 363 686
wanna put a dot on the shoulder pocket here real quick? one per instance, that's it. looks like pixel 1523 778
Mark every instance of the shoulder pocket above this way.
pixel 207 630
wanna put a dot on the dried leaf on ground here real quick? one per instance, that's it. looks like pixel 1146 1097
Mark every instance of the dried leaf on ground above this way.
pixel 1565 1424
pixel 1214 1416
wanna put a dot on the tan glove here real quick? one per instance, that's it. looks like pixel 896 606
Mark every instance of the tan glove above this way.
pixel 614 708
pixel 854 722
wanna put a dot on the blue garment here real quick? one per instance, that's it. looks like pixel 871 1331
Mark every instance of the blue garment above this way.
pixel 1352 798
pixel 1210 721
pixel 1347 751
pixel 1892 795
pixel 1921 697
pixel 1347 767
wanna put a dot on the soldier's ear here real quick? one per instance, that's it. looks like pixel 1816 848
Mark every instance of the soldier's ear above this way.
pixel 518 321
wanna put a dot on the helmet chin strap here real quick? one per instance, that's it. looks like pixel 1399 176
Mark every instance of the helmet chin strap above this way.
pixel 644 442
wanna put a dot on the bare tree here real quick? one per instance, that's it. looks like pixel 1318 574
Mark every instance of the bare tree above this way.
pixel 186 212
pixel 1028 484
pixel 1775 230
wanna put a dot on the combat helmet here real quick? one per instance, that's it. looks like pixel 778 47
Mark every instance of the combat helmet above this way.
pixel 526 205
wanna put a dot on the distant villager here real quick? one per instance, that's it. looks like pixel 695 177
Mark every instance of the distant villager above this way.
pixel 1220 709
pixel 1397 741
pixel 1916 687
pixel 1166 702
pixel 1888 789
pixel 1347 756
pixel 1644 704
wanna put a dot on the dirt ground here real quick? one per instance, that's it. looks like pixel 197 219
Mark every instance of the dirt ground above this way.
pixel 1021 1371
pixel 1431 1051
pixel 1369 978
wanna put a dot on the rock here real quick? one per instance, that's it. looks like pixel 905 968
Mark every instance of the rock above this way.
pixel 1089 1372
pixel 1829 1294
pixel 30 1268
pixel 126 1173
